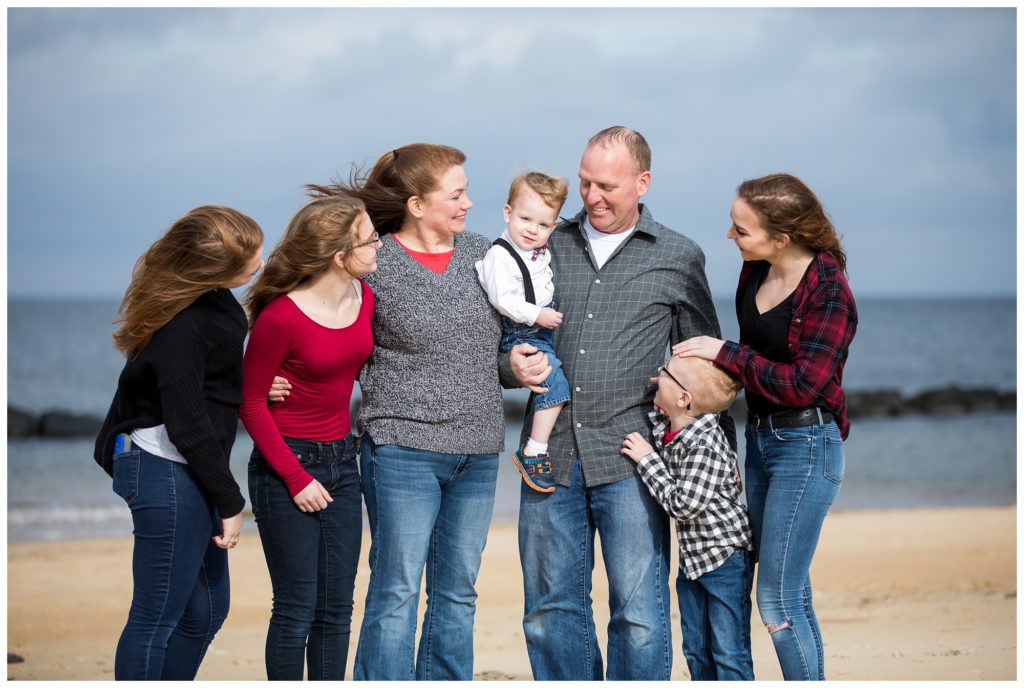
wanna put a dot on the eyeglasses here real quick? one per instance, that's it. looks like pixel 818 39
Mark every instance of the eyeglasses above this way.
pixel 374 238
pixel 664 369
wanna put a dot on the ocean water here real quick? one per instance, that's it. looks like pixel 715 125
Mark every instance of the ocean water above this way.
pixel 59 356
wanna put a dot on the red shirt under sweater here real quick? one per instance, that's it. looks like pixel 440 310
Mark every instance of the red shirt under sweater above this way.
pixel 321 363
pixel 437 262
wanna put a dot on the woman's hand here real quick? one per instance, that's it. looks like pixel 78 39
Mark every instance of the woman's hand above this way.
pixel 230 529
pixel 530 366
pixel 701 347
pixel 636 447
pixel 280 389
pixel 312 498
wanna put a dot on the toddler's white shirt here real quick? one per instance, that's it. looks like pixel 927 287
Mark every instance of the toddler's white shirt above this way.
pixel 503 281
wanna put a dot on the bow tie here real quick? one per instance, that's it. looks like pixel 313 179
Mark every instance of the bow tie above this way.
pixel 539 252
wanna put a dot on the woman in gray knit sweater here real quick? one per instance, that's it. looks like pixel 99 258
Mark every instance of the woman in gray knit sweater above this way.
pixel 431 416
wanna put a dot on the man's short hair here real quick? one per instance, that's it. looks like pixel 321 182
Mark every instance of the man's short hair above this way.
pixel 634 142
pixel 552 190
pixel 714 390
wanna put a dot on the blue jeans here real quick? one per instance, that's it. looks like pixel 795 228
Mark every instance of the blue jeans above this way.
pixel 793 476
pixel 714 615
pixel 181 590
pixel 312 560
pixel 556 547
pixel 426 510
pixel 513 333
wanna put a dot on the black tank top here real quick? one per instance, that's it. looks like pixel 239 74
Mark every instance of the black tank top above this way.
pixel 766 333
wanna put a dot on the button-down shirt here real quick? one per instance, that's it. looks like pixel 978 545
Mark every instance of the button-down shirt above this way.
pixel 502 279
pixel 620 321
pixel 823 322
pixel 694 477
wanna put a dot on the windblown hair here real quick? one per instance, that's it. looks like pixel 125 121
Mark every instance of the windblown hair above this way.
pixel 202 251
pixel 552 190
pixel 787 206
pixel 712 388
pixel 400 174
pixel 318 231
pixel 634 142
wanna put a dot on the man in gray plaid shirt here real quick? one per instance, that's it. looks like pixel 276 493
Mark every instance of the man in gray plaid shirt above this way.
pixel 694 476
pixel 629 288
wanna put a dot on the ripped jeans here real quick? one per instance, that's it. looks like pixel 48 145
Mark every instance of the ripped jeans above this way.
pixel 793 476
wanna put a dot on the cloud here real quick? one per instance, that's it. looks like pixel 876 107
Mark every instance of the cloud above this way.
pixel 903 121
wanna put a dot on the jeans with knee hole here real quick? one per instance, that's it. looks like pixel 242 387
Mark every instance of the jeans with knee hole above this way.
pixel 180 591
pixel 793 476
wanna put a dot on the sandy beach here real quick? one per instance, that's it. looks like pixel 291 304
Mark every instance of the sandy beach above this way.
pixel 901 594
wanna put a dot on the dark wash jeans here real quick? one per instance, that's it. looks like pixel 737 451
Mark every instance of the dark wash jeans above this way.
pixel 181 591
pixel 312 560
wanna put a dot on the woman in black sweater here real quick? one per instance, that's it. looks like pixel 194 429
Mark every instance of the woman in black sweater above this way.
pixel 167 437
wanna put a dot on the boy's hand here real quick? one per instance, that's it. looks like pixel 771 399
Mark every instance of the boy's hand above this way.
pixel 549 318
pixel 636 447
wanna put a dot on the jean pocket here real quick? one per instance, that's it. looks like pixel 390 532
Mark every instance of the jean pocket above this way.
pixel 126 475
pixel 835 460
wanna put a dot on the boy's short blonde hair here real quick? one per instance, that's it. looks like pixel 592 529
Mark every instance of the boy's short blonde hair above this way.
pixel 552 190
pixel 713 390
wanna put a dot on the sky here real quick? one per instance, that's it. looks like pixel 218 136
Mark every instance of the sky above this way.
pixel 902 121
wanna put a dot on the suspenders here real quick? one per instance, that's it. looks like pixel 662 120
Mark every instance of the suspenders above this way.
pixel 527 280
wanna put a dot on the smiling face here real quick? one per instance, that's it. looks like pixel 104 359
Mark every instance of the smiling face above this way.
pixel 670 385
pixel 362 258
pixel 753 240
pixel 611 187
pixel 530 220
pixel 444 209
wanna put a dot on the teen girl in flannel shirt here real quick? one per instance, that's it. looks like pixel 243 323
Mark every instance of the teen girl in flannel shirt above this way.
pixel 797 319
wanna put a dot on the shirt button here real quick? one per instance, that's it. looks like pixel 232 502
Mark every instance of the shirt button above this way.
pixel 579 425
pixel 583 351
pixel 578 389
pixel 590 316
pixel 597 281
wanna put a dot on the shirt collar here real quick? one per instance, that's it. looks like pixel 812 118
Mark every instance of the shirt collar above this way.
pixel 645 224
pixel 697 428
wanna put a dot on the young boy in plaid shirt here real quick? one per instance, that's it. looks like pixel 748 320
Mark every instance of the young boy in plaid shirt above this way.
pixel 693 475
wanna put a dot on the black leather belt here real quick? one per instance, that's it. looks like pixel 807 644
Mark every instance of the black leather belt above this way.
pixel 791 419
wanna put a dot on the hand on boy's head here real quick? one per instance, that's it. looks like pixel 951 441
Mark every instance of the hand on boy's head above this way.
pixel 530 366
pixel 549 318
pixel 635 446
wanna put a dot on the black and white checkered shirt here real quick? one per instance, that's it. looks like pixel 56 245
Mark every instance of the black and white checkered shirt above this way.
pixel 696 480
pixel 620 320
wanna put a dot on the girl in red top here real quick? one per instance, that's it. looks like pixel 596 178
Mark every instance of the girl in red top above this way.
pixel 311 318
pixel 797 319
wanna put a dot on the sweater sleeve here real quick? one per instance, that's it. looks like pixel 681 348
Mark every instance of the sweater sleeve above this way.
pixel 270 344
pixel 179 361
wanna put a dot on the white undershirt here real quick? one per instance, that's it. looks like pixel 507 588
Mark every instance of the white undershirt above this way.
pixel 155 441
pixel 603 245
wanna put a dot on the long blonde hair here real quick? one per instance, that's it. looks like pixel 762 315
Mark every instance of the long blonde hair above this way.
pixel 202 251
pixel 317 232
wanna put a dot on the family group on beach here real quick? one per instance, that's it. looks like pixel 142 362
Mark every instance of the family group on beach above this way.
pixel 376 279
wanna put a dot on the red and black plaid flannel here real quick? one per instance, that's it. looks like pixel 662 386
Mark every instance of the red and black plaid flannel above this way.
pixel 824 320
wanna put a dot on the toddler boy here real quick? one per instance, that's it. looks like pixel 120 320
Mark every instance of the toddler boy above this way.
pixel 693 475
pixel 516 274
